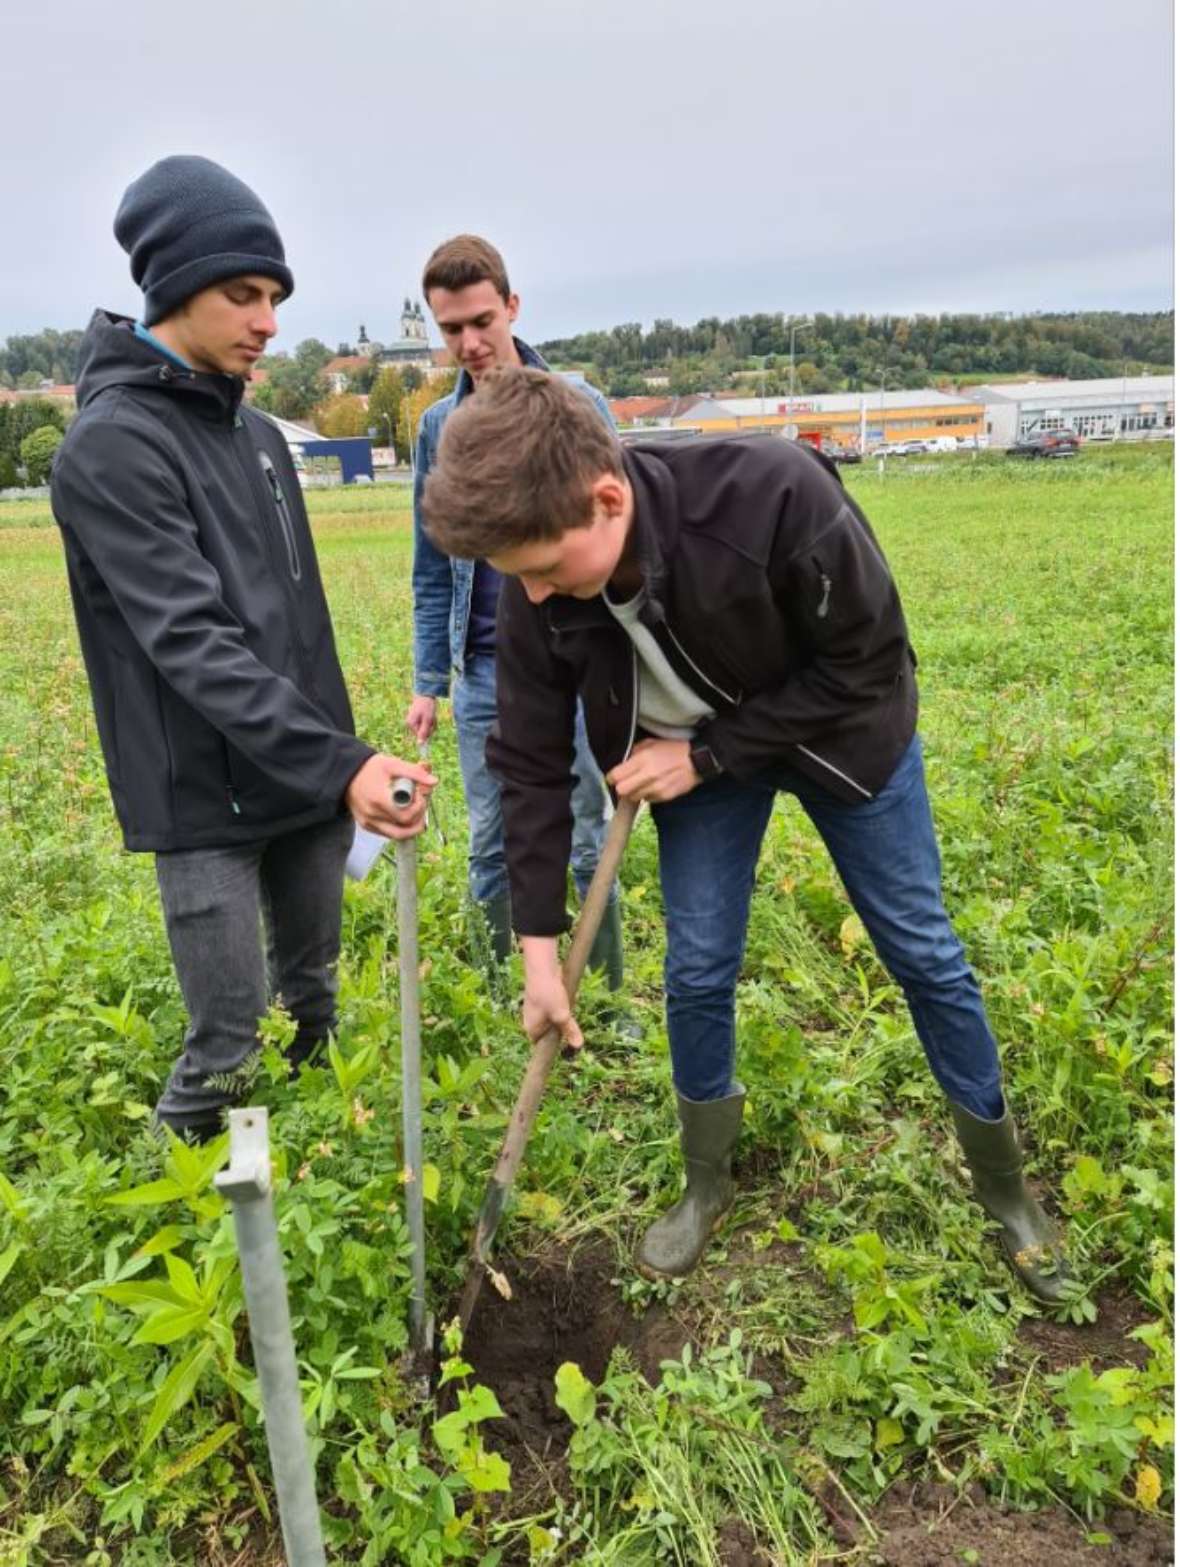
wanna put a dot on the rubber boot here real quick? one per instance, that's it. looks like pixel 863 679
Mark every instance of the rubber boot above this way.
pixel 606 956
pixel 709 1132
pixel 1028 1237
pixel 493 934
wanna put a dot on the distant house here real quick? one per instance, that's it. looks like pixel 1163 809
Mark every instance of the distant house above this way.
pixel 641 410
pixel 337 371
pixel 55 394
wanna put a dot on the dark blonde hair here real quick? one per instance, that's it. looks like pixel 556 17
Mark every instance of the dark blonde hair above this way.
pixel 458 263
pixel 516 464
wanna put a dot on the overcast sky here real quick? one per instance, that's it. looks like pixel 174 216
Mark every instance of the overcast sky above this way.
pixel 631 158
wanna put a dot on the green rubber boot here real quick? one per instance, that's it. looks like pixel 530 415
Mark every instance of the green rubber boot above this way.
pixel 606 956
pixel 493 934
pixel 1028 1237
pixel 709 1132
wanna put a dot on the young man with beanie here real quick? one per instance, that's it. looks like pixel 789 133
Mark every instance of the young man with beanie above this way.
pixel 465 284
pixel 728 618
pixel 219 700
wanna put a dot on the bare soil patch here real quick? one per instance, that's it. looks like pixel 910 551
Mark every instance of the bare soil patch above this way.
pixel 1104 1343
pixel 928 1526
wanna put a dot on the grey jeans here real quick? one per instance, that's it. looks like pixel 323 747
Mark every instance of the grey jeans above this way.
pixel 246 925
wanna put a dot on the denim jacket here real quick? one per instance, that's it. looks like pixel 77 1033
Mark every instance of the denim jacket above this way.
pixel 442 586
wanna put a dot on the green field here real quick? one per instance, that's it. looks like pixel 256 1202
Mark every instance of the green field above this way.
pixel 852 1332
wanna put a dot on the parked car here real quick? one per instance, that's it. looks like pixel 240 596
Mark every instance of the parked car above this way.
pixel 941 443
pixel 1048 443
pixel 838 453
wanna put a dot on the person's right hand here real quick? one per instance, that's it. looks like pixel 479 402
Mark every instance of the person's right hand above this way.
pixel 546 1004
pixel 421 717
pixel 369 797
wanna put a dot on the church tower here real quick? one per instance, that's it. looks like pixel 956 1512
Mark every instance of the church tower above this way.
pixel 413 323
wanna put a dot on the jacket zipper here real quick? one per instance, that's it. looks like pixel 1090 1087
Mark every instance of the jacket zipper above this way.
pixel 851 782
pixel 285 522
pixel 634 699
pixel 734 701
pixel 231 793
pixel 255 476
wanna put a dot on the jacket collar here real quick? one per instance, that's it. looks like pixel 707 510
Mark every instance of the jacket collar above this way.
pixel 112 355
pixel 464 386
pixel 656 526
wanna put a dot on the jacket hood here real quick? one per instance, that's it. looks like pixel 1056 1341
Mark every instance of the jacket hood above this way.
pixel 112 355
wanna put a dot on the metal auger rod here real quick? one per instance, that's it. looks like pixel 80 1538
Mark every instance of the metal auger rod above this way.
pixel 407 955
pixel 246 1182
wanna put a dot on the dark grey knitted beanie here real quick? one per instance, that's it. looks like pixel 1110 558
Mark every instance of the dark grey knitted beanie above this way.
pixel 188 223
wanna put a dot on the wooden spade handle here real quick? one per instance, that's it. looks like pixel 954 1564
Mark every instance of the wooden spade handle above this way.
pixel 547 1048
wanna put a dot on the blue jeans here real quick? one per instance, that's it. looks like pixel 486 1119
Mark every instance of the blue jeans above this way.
pixel 887 857
pixel 474 706
pixel 246 924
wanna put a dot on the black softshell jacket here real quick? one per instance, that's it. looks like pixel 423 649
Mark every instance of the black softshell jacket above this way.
pixel 218 695
pixel 770 598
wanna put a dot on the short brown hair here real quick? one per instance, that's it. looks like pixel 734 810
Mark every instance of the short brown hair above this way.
pixel 516 464
pixel 462 261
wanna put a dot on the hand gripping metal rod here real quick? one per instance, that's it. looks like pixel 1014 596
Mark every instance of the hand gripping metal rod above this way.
pixel 246 1182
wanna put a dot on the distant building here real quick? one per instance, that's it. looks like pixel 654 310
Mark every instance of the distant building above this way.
pixel 864 419
pixel 1128 408
pixel 412 347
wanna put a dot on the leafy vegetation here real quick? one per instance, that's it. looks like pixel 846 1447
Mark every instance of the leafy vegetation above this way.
pixel 853 1324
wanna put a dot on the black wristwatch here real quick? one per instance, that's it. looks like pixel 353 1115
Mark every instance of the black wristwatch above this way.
pixel 705 764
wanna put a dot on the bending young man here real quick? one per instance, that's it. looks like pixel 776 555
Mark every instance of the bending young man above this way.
pixel 731 625
pixel 466 287
pixel 219 700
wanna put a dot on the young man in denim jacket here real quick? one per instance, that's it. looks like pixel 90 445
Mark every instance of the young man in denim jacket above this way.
pixel 466 287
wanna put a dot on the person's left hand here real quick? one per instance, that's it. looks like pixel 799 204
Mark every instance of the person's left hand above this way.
pixel 656 770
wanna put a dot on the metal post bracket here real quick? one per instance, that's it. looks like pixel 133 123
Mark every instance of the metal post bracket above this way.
pixel 247 1177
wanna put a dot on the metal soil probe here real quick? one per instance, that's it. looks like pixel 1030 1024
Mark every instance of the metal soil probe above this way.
pixel 421 1324
pixel 545 1052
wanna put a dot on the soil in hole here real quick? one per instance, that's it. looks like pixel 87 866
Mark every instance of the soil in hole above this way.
pixel 563 1307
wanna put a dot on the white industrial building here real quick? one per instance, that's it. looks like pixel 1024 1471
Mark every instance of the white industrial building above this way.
pixel 1129 408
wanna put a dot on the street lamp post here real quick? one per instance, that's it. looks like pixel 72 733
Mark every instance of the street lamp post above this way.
pixel 1122 426
pixel 796 326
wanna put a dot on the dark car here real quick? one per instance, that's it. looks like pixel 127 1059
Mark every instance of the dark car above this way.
pixel 1048 443
pixel 838 453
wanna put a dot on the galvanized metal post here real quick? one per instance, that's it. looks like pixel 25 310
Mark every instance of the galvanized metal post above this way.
pixel 246 1182
pixel 407 947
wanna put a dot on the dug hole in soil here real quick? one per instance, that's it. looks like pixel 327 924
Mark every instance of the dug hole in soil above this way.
pixel 564 1306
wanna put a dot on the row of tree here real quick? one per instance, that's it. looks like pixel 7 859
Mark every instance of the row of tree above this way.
pixel 40 356
pixel 833 353
pixel 31 431
pixel 396 401
pixel 847 353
